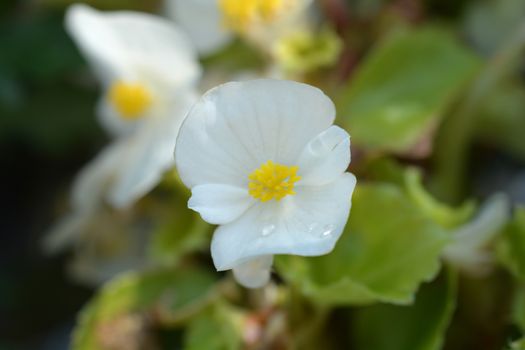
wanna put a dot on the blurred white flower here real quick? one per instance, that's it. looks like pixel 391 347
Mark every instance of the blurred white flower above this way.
pixel 468 249
pixel 148 71
pixel 264 161
pixel 213 23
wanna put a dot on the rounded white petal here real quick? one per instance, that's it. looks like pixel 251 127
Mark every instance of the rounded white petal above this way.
pixel 130 45
pixel 236 127
pixel 149 154
pixel 202 21
pixel 254 273
pixel 325 158
pixel 93 180
pixel 220 204
pixel 308 223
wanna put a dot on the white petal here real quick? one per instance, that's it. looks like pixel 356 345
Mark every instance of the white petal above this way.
pixel 126 44
pixel 308 223
pixel 93 180
pixel 220 204
pixel 149 155
pixel 325 158
pixel 202 21
pixel 238 126
pixel 254 273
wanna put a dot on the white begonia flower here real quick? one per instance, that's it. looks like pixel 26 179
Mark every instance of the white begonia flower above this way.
pixel 213 23
pixel 264 162
pixel 148 71
pixel 468 250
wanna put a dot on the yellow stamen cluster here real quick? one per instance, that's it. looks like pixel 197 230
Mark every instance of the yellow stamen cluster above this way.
pixel 272 181
pixel 131 100
pixel 240 14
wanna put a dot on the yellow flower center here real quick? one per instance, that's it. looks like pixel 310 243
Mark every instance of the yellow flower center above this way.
pixel 131 100
pixel 240 14
pixel 272 181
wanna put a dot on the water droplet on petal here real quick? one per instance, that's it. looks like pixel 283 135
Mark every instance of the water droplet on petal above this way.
pixel 327 230
pixel 268 230
pixel 313 227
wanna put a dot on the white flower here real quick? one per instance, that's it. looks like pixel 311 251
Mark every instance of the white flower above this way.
pixel 213 23
pixel 468 249
pixel 148 71
pixel 264 161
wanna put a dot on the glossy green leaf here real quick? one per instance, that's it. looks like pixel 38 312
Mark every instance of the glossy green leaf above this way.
pixel 402 87
pixel 388 248
pixel 135 293
pixel 421 326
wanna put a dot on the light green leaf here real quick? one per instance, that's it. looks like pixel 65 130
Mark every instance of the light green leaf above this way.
pixel 386 169
pixel 183 232
pixel 421 326
pixel 388 248
pixel 403 86
pixel 179 231
pixel 135 293
pixel 218 328
pixel 511 248
pixel 446 216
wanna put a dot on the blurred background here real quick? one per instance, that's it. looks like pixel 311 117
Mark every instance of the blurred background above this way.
pixel 48 132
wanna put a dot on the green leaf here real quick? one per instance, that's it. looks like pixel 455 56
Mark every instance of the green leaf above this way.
pixel 421 326
pixel 403 86
pixel 511 248
pixel 172 241
pixel 136 293
pixel 182 231
pixel 218 328
pixel 386 169
pixel 446 216
pixel 388 248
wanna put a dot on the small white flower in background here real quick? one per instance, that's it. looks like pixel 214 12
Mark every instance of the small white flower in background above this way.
pixel 264 161
pixel 468 250
pixel 148 71
pixel 213 23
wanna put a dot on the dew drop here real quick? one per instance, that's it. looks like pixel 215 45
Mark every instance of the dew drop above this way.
pixel 327 230
pixel 268 230
pixel 313 227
